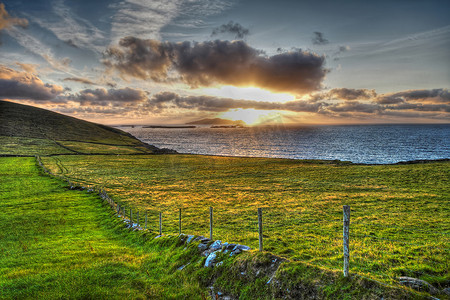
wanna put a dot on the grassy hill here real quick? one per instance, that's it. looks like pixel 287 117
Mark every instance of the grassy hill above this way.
pixel 57 243
pixel 400 213
pixel 27 130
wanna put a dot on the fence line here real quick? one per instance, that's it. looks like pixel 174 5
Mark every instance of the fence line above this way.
pixel 253 224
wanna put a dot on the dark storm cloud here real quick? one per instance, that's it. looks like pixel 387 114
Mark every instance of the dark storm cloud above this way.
pixel 6 20
pixel 81 80
pixel 24 85
pixel 234 28
pixel 170 100
pixel 319 38
pixel 125 96
pixel 203 64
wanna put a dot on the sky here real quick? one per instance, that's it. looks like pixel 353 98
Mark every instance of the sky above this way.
pixel 263 62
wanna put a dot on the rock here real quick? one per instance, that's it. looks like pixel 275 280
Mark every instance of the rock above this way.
pixel 446 291
pixel 210 260
pixel 189 239
pixel 202 239
pixel 418 285
pixel 227 247
pixel 238 249
pixel 219 264
pixel 202 247
pixel 216 245
pixel 242 247
pixel 183 266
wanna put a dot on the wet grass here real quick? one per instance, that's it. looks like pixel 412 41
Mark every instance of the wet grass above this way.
pixel 400 213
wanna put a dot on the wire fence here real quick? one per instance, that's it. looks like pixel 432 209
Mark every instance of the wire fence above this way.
pixel 370 249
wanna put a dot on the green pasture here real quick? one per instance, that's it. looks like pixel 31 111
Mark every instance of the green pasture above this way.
pixel 57 243
pixel 399 213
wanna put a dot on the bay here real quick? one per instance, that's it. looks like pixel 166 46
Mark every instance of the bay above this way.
pixel 369 144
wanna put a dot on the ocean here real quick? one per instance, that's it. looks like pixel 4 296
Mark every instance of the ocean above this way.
pixel 369 144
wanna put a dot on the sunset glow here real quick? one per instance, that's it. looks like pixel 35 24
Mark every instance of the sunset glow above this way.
pixel 254 116
pixel 247 93
pixel 167 62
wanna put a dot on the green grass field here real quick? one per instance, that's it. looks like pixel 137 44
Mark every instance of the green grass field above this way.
pixel 57 243
pixel 400 213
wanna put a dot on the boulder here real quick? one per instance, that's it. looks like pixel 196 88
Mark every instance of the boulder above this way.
pixel 189 239
pixel 216 245
pixel 238 249
pixel 202 247
pixel 418 285
pixel 211 260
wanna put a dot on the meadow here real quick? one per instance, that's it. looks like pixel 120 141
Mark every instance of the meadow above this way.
pixel 57 243
pixel 399 213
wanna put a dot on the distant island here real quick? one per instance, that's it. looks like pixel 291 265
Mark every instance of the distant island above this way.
pixel 218 122
pixel 169 126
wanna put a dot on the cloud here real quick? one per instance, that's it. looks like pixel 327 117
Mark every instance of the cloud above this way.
pixel 126 96
pixel 24 85
pixel 142 18
pixel 346 107
pixel 78 79
pixel 72 29
pixel 7 21
pixel 341 49
pixel 169 100
pixel 204 64
pixel 319 38
pixel 426 96
pixel 34 45
pixel 351 94
pixel 30 68
pixel 234 28
pixel 355 107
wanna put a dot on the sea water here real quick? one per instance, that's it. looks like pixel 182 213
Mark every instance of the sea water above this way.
pixel 370 144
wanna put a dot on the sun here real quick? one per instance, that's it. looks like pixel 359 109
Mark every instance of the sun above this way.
pixel 252 116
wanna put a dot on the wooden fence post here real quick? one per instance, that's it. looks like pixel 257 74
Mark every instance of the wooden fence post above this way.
pixel 346 233
pixel 145 220
pixel 160 223
pixel 131 217
pixel 179 220
pixel 260 231
pixel 211 223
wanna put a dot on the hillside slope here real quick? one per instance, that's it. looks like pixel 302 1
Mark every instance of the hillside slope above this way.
pixel 27 130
